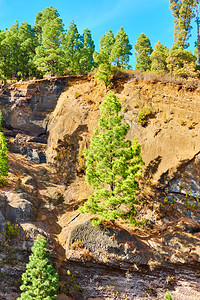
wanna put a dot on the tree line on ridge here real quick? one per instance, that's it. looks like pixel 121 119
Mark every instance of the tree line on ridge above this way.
pixel 28 51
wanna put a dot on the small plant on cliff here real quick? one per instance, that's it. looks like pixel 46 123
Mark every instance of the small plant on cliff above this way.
pixel 11 231
pixel 3 155
pixel 40 281
pixel 112 166
pixel 167 296
pixel 144 115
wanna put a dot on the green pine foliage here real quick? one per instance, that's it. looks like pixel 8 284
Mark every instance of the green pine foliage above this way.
pixel 3 155
pixel 104 72
pixel 196 4
pixel 114 51
pixel 181 62
pixel 3 159
pixel 48 49
pixel 112 166
pixel 40 281
pixel 143 51
pixel 72 45
pixel 183 12
pixel 158 58
pixel 106 44
pixel 49 58
pixel 17 51
pixel 121 50
pixel 86 58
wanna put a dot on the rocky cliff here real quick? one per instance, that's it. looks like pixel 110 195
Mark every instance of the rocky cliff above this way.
pixel 48 123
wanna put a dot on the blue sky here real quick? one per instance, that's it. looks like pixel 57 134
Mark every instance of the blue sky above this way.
pixel 136 16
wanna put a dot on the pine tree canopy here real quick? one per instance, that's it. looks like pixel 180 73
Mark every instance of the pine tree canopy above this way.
pixel 183 12
pixel 143 51
pixel 158 58
pixel 40 281
pixel 112 165
pixel 121 50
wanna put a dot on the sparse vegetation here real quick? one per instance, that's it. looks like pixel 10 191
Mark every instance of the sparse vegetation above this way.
pixel 76 94
pixel 11 231
pixel 80 164
pixel 144 115
pixel 167 296
pixel 3 155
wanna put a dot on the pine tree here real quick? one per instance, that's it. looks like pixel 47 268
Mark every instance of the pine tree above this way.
pixel 181 62
pixel 158 58
pixel 183 12
pixel 3 155
pixel 17 47
pixel 13 55
pixel 143 51
pixel 197 10
pixel 104 71
pixel 49 57
pixel 72 45
pixel 4 56
pixel 40 281
pixel 86 53
pixel 28 44
pixel 121 50
pixel 106 44
pixel 112 165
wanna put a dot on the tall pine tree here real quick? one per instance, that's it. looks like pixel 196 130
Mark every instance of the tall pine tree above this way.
pixel 49 57
pixel 86 57
pixel 17 50
pixel 4 56
pixel 40 281
pixel 106 44
pixel 112 165
pixel 197 11
pixel 158 58
pixel 143 51
pixel 72 45
pixel 183 12
pixel 121 50
pixel 104 71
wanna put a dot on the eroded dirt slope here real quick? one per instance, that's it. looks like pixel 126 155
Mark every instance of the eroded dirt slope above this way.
pixel 48 124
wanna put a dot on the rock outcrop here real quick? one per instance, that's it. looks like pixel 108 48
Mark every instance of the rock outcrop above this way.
pixel 48 123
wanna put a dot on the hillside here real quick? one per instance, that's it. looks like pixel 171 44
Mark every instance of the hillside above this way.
pixel 48 123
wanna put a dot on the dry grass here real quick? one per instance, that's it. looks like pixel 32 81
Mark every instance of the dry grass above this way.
pixel 190 83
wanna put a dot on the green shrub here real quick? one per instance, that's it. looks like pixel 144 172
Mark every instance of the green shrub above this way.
pixel 144 115
pixel 167 296
pixel 11 231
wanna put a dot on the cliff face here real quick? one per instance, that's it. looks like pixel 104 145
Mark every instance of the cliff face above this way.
pixel 26 105
pixel 48 123
pixel 69 108
pixel 170 138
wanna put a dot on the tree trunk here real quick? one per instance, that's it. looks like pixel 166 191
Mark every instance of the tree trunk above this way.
pixel 198 34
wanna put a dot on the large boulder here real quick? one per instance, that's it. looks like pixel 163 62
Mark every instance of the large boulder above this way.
pixel 21 207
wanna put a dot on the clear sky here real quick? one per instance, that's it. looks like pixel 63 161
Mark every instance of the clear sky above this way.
pixel 152 17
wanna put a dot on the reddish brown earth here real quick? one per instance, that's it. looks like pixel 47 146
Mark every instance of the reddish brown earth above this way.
pixel 48 123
